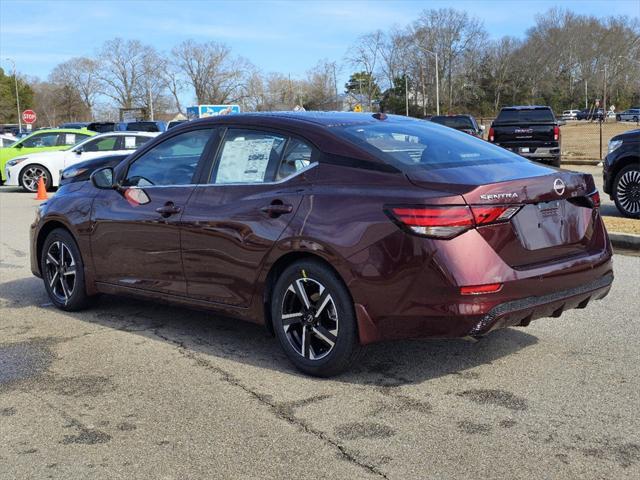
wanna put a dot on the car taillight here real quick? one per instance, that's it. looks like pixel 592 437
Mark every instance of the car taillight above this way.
pixel 480 289
pixel 556 133
pixel 595 199
pixel 448 221
pixel 491 134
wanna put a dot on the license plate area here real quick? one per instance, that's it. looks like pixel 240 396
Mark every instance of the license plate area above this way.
pixel 549 224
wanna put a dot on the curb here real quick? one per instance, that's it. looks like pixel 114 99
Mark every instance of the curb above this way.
pixel 593 163
pixel 625 240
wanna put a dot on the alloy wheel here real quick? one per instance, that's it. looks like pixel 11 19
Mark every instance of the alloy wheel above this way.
pixel 31 176
pixel 309 318
pixel 60 271
pixel 628 191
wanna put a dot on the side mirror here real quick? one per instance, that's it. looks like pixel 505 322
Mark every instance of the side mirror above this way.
pixel 78 151
pixel 19 145
pixel 103 178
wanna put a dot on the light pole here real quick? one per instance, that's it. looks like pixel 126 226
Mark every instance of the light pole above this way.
pixel 15 78
pixel 406 94
pixel 435 54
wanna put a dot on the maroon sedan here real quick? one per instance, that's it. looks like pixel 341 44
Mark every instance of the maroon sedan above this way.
pixel 334 230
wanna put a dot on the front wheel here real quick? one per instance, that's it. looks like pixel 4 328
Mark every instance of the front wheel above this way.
pixel 31 174
pixel 63 271
pixel 626 191
pixel 314 320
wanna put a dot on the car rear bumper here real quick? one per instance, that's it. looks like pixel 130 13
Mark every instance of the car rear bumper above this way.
pixel 521 312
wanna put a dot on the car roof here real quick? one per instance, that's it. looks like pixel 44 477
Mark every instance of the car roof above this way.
pixel 83 131
pixel 527 107
pixel 128 133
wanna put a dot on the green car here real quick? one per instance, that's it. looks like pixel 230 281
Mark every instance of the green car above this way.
pixel 45 140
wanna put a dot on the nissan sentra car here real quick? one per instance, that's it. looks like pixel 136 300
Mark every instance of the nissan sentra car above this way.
pixel 334 230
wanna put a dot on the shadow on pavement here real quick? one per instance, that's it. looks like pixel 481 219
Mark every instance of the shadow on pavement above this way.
pixel 387 364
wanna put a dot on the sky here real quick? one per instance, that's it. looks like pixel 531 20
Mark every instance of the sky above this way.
pixel 277 36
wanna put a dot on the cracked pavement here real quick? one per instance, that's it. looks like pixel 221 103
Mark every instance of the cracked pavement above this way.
pixel 131 389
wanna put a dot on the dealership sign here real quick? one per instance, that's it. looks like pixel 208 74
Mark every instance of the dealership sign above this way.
pixel 29 116
pixel 203 111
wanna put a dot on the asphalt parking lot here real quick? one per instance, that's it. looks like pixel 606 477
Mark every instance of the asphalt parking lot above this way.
pixel 131 389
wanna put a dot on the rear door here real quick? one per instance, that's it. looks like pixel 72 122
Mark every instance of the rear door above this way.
pixel 233 220
pixel 135 238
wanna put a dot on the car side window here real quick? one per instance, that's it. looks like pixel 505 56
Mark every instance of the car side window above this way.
pixel 70 138
pixel 172 162
pixel 101 145
pixel 297 156
pixel 248 156
pixel 41 140
pixel 131 142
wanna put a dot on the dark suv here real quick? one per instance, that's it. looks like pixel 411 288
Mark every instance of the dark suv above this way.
pixel 621 172
pixel 334 230
pixel 464 123
pixel 530 131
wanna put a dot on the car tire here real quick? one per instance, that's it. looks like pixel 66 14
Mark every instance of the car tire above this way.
pixel 314 319
pixel 556 162
pixel 29 177
pixel 62 271
pixel 635 119
pixel 626 191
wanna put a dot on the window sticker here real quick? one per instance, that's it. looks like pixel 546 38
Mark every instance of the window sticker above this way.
pixel 70 138
pixel 130 143
pixel 244 160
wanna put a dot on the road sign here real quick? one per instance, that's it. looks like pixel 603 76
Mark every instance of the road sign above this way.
pixel 357 108
pixel 29 116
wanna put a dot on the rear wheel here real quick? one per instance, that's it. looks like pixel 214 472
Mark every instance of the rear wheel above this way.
pixel 63 271
pixel 31 174
pixel 626 191
pixel 314 320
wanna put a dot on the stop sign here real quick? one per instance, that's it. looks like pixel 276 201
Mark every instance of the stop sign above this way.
pixel 29 116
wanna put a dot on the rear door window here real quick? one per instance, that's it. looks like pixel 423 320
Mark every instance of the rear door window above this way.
pixel 101 145
pixel 248 156
pixel 40 140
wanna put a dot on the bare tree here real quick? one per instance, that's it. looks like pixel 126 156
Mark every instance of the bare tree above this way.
pixel 122 70
pixel 366 56
pixel 215 75
pixel 81 74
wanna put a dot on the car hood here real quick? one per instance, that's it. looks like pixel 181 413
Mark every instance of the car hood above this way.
pixel 43 156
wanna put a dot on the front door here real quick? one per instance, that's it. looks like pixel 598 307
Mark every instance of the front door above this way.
pixel 232 222
pixel 135 237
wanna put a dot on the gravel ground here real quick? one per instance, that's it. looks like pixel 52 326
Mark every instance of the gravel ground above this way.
pixel 130 389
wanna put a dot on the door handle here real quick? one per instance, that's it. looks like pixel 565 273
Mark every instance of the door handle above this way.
pixel 168 209
pixel 277 208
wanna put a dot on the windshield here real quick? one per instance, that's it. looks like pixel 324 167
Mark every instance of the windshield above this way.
pixel 459 123
pixel 533 115
pixel 423 145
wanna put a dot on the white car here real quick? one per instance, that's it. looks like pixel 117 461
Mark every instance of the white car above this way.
pixel 6 140
pixel 25 171
pixel 631 115
pixel 570 114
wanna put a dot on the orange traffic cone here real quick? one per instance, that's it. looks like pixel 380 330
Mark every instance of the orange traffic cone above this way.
pixel 42 191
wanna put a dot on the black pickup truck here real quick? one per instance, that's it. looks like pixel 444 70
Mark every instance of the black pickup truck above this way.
pixel 530 131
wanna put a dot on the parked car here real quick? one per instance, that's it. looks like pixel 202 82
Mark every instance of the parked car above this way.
pixel 81 171
pixel 26 170
pixel 590 114
pixel 42 141
pixel 102 127
pixel 631 115
pixel 333 229
pixel 530 131
pixel 464 123
pixel 570 115
pixel 7 140
pixel 146 126
pixel 621 172
pixel 175 123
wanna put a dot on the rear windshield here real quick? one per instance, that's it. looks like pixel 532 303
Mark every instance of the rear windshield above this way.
pixel 534 115
pixel 422 145
pixel 459 123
